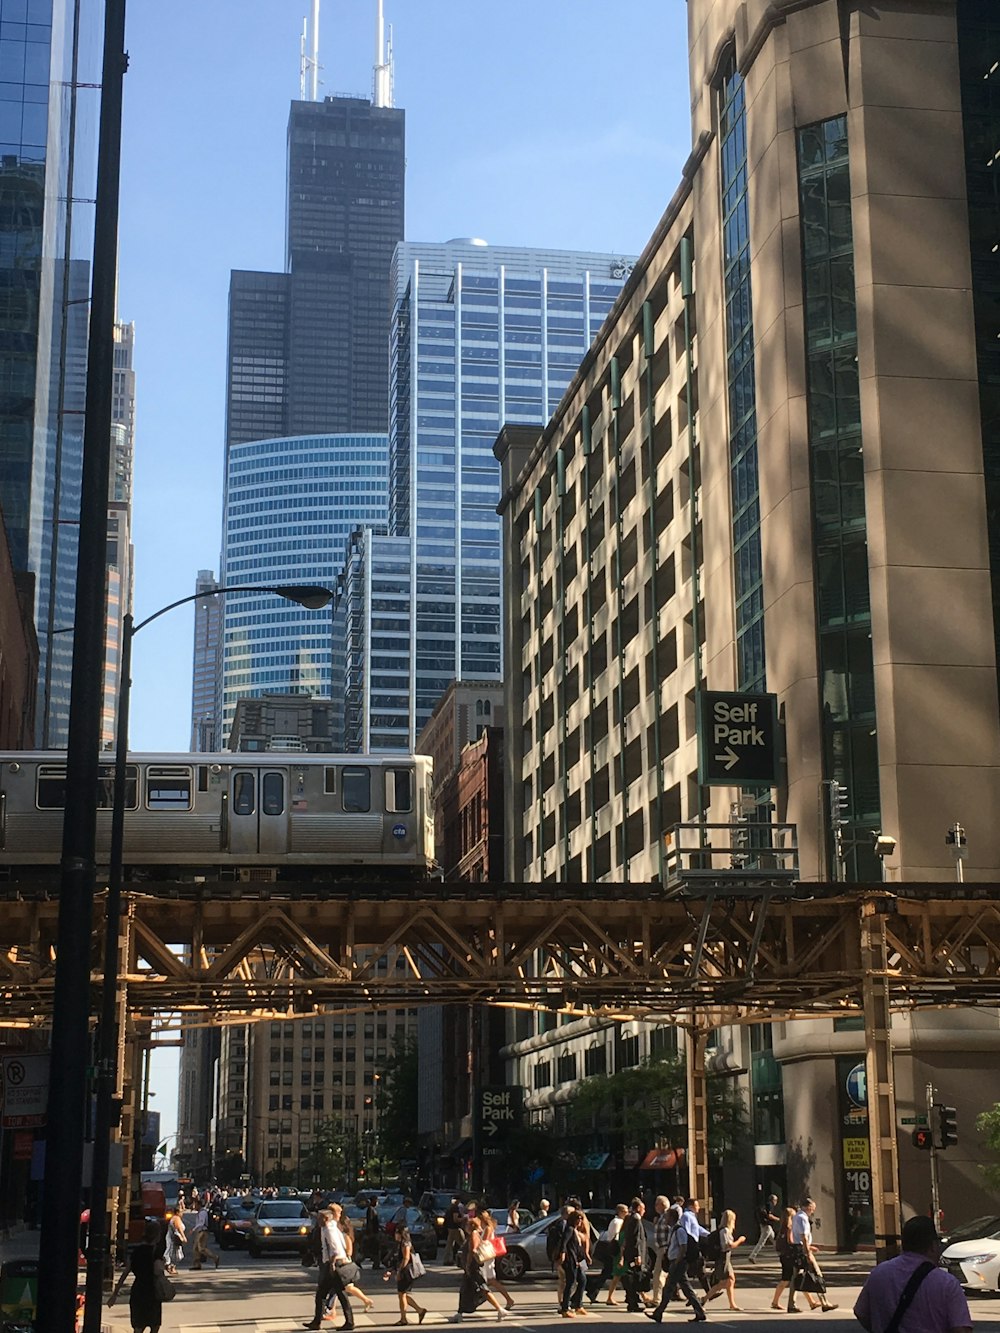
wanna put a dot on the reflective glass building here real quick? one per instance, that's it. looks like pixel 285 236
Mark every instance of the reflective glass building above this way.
pixel 290 505
pixel 50 73
pixel 481 335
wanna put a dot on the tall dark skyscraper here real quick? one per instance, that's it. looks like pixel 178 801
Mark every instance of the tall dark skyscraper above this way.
pixel 309 348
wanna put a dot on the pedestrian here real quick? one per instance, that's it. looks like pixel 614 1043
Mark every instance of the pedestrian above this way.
pixel 610 1254
pixel 807 1272
pixel 723 1277
pixel 489 1226
pixel 406 1274
pixel 333 1255
pixel 685 1233
pixel 454 1219
pixel 473 1289
pixel 513 1216
pixel 785 1250
pixel 633 1255
pixel 176 1239
pixel 573 1258
pixel 370 1247
pixel 199 1238
pixel 767 1219
pixel 543 1207
pixel 554 1237
pixel 661 1235
pixel 350 1273
pixel 145 1263
pixel 911 1292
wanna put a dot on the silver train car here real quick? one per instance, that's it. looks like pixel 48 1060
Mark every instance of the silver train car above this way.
pixel 269 816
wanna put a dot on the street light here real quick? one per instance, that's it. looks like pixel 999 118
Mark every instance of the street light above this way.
pixel 311 596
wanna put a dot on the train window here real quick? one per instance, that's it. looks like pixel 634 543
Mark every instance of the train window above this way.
pixel 168 788
pixel 398 790
pixel 272 794
pixel 329 780
pixel 357 789
pixel 50 793
pixel 243 794
pixel 106 787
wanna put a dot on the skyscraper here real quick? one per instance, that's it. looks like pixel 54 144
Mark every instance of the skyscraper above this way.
pixel 290 505
pixel 481 335
pixel 119 585
pixel 205 670
pixel 49 77
pixel 308 348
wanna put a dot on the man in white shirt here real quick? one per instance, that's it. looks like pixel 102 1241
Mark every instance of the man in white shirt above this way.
pixel 805 1256
pixel 333 1253
pixel 200 1250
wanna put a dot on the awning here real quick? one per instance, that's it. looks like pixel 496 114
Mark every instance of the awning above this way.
pixel 662 1159
pixel 463 1148
pixel 593 1161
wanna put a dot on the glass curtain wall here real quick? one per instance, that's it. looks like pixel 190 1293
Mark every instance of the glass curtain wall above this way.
pixel 850 747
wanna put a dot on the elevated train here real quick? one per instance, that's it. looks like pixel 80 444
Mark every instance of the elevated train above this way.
pixel 239 816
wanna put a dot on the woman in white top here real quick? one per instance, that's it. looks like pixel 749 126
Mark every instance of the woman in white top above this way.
pixel 723 1277
pixel 176 1238
pixel 611 1238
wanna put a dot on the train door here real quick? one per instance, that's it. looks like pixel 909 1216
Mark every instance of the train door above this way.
pixel 258 812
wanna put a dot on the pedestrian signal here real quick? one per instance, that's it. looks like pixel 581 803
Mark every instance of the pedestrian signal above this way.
pixel 922 1139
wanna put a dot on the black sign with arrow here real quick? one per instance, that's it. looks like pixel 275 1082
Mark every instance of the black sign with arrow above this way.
pixel 499 1112
pixel 737 738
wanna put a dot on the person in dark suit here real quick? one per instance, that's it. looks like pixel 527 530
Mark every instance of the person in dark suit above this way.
pixel 633 1254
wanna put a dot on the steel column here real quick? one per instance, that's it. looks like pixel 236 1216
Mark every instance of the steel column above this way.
pixel 881 1090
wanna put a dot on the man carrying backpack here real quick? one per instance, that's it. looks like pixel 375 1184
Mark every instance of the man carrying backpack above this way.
pixel 685 1233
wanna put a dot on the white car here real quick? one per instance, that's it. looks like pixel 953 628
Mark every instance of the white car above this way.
pixel 973 1255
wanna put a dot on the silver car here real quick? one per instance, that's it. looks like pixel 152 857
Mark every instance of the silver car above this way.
pixel 279 1224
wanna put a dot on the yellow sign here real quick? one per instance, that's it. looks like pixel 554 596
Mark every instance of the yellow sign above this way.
pixel 857 1155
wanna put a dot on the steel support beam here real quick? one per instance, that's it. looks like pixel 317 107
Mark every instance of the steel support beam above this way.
pixel 699 1183
pixel 881 1089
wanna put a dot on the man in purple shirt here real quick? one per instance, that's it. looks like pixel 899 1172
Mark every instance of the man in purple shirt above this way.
pixel 936 1305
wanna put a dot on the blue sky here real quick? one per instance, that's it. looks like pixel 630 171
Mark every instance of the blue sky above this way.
pixel 558 123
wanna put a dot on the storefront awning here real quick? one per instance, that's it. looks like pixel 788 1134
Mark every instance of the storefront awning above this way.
pixel 662 1159
pixel 593 1161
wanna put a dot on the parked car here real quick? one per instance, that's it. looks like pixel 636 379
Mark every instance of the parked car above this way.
pixel 231 1226
pixel 526 1249
pixel 279 1224
pixel 973 1255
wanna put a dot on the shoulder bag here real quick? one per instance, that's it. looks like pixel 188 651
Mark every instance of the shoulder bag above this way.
pixel 485 1252
pixel 907 1295
pixel 416 1265
pixel 163 1289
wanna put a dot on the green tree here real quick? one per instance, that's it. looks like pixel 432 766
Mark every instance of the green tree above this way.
pixel 325 1161
pixel 988 1125
pixel 649 1103
pixel 396 1102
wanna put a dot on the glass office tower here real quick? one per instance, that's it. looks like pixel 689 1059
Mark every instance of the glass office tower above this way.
pixel 50 72
pixel 290 506
pixel 481 335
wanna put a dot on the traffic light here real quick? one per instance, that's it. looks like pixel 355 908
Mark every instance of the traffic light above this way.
pixel 837 796
pixel 921 1138
pixel 944 1123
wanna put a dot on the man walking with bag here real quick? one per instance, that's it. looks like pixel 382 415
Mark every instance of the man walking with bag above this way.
pixel 911 1294
pixel 807 1275
pixel 333 1257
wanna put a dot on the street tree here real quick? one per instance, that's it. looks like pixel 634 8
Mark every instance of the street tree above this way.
pixel 396 1102
pixel 988 1124
pixel 325 1161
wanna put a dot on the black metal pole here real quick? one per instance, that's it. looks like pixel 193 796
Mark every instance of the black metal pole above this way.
pixel 98 1235
pixel 57 1273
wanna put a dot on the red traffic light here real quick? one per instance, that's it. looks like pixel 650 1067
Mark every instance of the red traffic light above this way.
pixel 922 1139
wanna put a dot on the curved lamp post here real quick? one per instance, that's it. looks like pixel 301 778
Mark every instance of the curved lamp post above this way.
pixel 313 598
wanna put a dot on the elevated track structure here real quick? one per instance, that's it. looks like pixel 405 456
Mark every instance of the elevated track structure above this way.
pixel 706 950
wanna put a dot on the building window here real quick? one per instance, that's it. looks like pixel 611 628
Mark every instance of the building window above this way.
pixel 543 1075
pixel 663 1042
pixel 595 1060
pixel 628 1050
pixel 566 1068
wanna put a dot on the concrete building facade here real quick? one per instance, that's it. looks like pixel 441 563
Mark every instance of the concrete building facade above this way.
pixel 774 472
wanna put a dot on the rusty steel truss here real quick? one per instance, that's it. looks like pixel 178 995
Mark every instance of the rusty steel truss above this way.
pixel 747 950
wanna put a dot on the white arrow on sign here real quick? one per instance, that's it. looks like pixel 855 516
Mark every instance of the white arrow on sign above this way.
pixel 730 756
pixel 491 1128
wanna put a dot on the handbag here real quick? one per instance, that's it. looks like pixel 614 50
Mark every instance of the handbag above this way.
pixel 416 1266
pixel 811 1281
pixel 347 1273
pixel 163 1288
pixel 485 1252
pixel 500 1245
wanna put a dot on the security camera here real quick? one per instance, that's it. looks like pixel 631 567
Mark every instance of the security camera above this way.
pixel 885 844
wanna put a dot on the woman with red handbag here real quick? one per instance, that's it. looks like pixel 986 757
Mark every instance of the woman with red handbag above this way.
pixel 499 1247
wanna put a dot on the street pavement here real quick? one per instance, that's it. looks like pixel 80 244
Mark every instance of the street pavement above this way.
pixel 275 1295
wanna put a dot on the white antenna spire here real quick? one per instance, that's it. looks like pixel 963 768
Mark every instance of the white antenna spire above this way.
pixel 303 63
pixel 315 51
pixel 382 71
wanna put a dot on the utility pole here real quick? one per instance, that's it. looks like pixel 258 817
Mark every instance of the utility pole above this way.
pixel 955 839
pixel 935 1187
